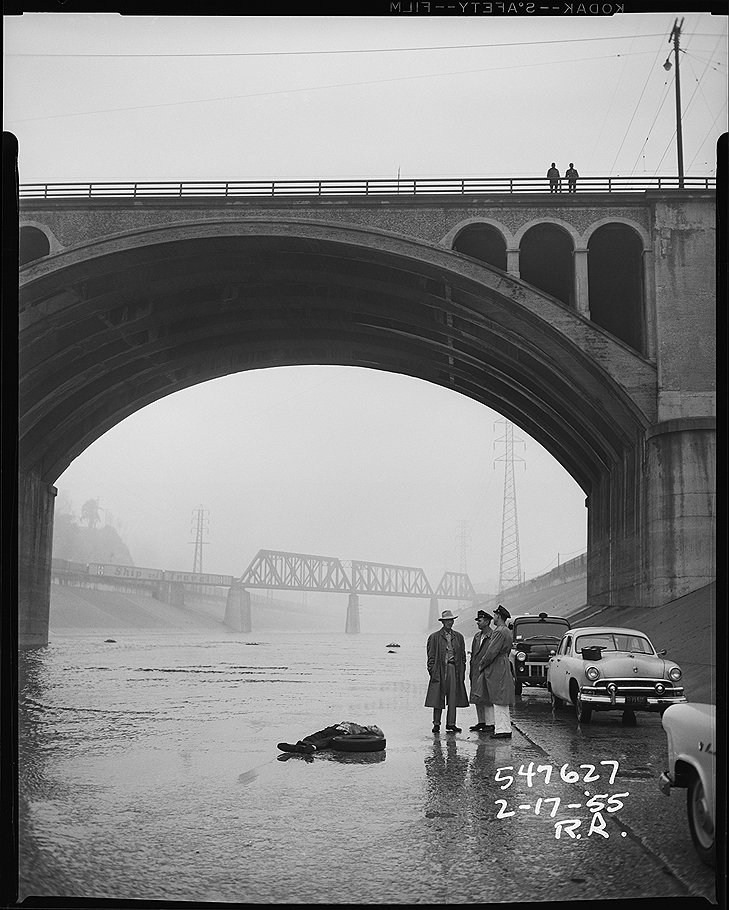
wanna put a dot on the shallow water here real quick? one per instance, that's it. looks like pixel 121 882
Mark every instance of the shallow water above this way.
pixel 149 770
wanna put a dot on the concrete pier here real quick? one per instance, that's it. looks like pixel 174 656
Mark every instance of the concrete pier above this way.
pixel 433 613
pixel 238 609
pixel 352 626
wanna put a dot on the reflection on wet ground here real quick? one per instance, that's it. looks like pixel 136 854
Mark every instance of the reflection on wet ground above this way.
pixel 149 770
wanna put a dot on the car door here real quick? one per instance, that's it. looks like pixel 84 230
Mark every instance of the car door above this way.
pixel 565 667
pixel 557 676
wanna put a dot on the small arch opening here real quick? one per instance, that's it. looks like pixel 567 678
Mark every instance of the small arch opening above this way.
pixel 546 261
pixel 615 283
pixel 484 242
pixel 33 245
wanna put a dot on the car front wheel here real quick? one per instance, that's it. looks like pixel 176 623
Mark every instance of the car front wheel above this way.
pixel 700 823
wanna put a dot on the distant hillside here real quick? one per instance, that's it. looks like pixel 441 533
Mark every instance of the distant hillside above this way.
pixel 77 543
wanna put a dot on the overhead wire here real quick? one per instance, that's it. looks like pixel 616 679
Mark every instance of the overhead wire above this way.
pixel 298 90
pixel 635 110
pixel 369 50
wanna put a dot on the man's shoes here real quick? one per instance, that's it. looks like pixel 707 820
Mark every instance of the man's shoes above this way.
pixel 436 728
pixel 451 728
pixel 478 727
pixel 501 736
pixel 488 728
pixel 305 748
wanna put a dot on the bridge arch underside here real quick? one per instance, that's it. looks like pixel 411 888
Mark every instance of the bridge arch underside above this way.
pixel 108 330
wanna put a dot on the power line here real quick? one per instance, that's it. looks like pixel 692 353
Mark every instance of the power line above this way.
pixel 367 50
pixel 313 88
pixel 635 110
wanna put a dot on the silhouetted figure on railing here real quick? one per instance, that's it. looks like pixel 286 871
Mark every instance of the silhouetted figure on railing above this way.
pixel 553 177
pixel 571 175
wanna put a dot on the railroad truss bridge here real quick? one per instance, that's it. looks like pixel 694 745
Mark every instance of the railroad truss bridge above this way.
pixel 274 569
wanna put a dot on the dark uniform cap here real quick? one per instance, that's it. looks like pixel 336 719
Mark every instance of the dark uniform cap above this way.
pixel 482 614
pixel 503 612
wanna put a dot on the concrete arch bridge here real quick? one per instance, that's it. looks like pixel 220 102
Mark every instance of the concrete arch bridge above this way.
pixel 587 319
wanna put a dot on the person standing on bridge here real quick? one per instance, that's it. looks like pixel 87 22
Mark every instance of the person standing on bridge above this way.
pixel 484 706
pixel 553 177
pixel 495 674
pixel 446 651
pixel 571 175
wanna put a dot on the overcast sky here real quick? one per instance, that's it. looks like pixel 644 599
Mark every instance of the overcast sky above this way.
pixel 341 461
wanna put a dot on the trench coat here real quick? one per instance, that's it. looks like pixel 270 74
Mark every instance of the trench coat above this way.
pixel 436 648
pixel 494 671
pixel 478 649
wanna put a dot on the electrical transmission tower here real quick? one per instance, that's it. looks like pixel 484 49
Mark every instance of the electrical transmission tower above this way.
pixel 201 528
pixel 510 566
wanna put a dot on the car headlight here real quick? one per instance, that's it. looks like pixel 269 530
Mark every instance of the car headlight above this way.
pixel 592 673
pixel 675 673
pixel 520 655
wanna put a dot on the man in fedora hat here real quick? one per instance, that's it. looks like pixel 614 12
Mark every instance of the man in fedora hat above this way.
pixel 484 705
pixel 494 674
pixel 447 670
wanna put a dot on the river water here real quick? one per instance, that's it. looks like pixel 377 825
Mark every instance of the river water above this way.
pixel 149 770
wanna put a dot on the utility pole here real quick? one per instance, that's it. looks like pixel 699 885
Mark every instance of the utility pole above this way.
pixel 201 528
pixel 510 565
pixel 675 37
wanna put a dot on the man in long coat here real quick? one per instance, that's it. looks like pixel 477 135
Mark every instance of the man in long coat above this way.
pixel 495 674
pixel 484 705
pixel 447 670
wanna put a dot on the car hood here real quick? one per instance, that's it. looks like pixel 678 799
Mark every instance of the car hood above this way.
pixel 633 665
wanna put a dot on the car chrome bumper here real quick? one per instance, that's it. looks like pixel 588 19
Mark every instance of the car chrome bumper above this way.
pixel 665 782
pixel 652 702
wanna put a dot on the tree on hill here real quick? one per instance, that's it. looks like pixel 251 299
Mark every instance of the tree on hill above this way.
pixel 73 541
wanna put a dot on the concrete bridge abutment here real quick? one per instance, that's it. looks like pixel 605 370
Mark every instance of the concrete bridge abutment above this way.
pixel 680 516
pixel 36 501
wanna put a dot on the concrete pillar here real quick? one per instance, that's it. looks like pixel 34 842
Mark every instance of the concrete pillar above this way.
pixel 512 263
pixel 582 301
pixel 433 613
pixel 238 609
pixel 172 593
pixel 352 626
pixel 680 497
pixel 36 500
pixel 649 305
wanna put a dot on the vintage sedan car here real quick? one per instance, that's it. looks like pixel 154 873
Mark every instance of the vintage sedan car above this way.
pixel 605 669
pixel 691 733
pixel 535 636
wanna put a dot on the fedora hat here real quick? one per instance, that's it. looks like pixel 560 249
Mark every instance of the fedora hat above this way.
pixel 446 614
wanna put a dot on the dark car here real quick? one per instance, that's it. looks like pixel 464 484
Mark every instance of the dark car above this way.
pixel 535 635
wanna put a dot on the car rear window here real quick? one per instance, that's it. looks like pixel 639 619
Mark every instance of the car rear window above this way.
pixel 547 629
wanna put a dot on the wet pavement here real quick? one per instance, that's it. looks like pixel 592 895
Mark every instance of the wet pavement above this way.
pixel 168 786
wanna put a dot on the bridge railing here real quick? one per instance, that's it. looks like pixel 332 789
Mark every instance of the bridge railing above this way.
pixel 376 187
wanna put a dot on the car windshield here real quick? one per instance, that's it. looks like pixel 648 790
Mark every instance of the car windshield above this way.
pixel 550 628
pixel 614 641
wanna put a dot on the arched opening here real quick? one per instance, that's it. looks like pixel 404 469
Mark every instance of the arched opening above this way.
pixel 546 261
pixel 33 245
pixel 484 242
pixel 615 283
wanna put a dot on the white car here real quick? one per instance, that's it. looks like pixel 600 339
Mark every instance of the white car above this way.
pixel 599 668
pixel 691 733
